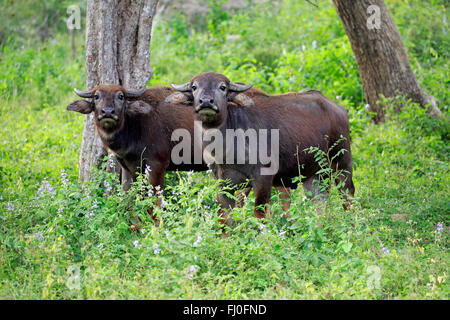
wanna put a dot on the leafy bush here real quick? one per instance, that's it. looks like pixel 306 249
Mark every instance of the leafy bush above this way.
pixel 55 230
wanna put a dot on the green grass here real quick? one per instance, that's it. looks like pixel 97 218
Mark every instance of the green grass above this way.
pixel 401 174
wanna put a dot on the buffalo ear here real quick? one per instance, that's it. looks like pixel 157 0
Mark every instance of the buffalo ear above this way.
pixel 178 97
pixel 139 106
pixel 241 99
pixel 81 106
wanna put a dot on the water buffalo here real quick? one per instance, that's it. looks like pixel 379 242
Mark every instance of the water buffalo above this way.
pixel 137 127
pixel 287 123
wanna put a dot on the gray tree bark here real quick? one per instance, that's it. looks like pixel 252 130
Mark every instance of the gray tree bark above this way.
pixel 381 57
pixel 118 34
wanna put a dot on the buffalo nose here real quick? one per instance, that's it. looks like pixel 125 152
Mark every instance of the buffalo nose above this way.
pixel 108 110
pixel 206 101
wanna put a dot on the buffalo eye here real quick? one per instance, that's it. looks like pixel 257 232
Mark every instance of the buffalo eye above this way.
pixel 96 97
pixel 194 88
pixel 223 88
pixel 120 96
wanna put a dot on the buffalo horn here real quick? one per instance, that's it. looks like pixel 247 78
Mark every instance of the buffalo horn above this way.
pixel 83 94
pixel 135 94
pixel 182 87
pixel 239 87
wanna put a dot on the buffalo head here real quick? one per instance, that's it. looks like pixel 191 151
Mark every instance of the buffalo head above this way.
pixel 211 93
pixel 109 104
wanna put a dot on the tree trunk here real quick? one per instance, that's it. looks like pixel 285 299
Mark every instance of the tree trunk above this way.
pixel 117 52
pixel 381 57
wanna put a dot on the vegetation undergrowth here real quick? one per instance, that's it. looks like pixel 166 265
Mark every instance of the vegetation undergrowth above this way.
pixel 60 239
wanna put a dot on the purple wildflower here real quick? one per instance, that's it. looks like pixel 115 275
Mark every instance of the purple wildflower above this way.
pixel 191 272
pixel 147 171
pixel 94 204
pixel 197 242
pixel 63 176
pixel 207 214
pixel 167 234
pixel 39 235
pixel 136 243
pixel 9 206
pixel 440 227
pixel 107 186
pixel 45 187
pixel 385 250
pixel 282 233
pixel 156 249
pixel 111 159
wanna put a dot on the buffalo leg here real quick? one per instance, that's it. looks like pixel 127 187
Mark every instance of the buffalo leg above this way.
pixel 127 179
pixel 263 188
pixel 344 179
pixel 285 196
pixel 347 188
pixel 242 195
pixel 226 204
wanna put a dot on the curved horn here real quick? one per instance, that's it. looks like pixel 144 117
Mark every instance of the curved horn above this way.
pixel 239 87
pixel 83 94
pixel 135 94
pixel 182 87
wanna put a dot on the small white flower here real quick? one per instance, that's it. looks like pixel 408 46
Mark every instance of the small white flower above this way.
pixel 147 170
pixel 136 243
pixel 191 272
pixel 156 249
pixel 197 242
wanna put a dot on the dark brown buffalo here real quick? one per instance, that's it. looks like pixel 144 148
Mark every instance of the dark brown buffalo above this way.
pixel 137 127
pixel 304 119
